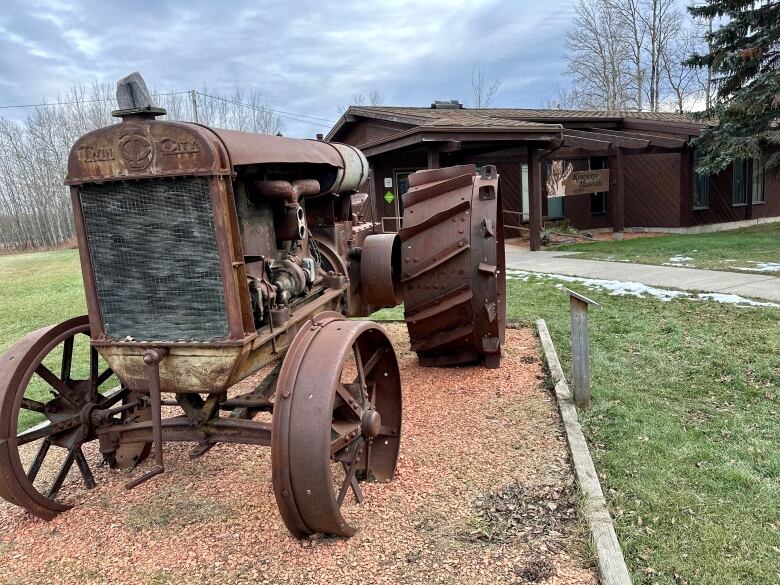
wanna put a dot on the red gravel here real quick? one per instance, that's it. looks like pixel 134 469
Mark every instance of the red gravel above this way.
pixel 483 495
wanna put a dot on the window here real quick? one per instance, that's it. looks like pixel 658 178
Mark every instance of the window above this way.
pixel 758 181
pixel 739 183
pixel 554 204
pixel 598 201
pixel 701 186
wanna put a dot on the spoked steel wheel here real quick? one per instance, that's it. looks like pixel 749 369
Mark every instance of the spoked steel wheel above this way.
pixel 51 385
pixel 337 420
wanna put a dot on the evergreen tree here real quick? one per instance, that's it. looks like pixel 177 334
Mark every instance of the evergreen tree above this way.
pixel 744 57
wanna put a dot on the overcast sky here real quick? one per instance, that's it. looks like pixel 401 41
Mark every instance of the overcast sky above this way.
pixel 303 56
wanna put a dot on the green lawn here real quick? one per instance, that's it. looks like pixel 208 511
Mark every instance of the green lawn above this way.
pixel 41 289
pixel 684 429
pixel 740 250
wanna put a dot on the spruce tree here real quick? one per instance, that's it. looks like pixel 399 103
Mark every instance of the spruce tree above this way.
pixel 744 57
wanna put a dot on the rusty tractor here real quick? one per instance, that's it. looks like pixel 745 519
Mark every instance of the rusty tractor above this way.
pixel 220 269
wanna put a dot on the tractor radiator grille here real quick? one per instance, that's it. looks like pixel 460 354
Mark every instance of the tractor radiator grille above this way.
pixel 154 256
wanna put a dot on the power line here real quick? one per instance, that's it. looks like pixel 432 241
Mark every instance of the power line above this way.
pixel 103 100
pixel 281 113
pixel 306 119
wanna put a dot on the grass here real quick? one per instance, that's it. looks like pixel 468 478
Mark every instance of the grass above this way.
pixel 684 429
pixel 727 250
pixel 36 290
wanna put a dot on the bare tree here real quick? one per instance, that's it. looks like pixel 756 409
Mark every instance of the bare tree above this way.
pixel 627 54
pixel 598 56
pixel 565 99
pixel 684 85
pixel 34 205
pixel 633 31
pixel 483 91
pixel 663 22
pixel 373 98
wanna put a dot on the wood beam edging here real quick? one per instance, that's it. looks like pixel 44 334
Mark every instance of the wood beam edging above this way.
pixel 609 555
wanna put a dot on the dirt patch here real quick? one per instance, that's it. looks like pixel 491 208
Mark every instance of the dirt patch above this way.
pixel 481 449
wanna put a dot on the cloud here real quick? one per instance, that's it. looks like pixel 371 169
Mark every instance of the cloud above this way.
pixel 304 56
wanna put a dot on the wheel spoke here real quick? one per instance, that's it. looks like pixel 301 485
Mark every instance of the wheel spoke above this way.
pixel 350 476
pixel 34 405
pixel 66 465
pixel 35 434
pixel 86 472
pixel 355 485
pixel 368 457
pixel 32 473
pixel 46 430
pixel 361 375
pixel 93 374
pixel 369 365
pixel 109 400
pixel 67 359
pixel 61 387
pixel 349 400
pixel 346 431
pixel 107 373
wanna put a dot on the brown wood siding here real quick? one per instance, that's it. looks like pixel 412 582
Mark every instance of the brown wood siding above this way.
pixel 771 207
pixel 510 184
pixel 367 132
pixel 652 190
pixel 384 166
pixel 721 208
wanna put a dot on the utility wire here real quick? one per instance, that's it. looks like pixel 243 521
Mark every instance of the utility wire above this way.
pixel 46 104
pixel 314 120
pixel 324 122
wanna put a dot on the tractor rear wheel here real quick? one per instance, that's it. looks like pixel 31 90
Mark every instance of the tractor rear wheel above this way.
pixel 452 266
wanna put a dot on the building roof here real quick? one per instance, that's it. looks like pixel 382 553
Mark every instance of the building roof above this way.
pixel 531 115
pixel 539 120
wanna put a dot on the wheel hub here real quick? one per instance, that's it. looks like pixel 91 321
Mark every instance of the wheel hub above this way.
pixel 371 423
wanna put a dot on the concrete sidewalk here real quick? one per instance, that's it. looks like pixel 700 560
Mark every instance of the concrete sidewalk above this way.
pixel 744 284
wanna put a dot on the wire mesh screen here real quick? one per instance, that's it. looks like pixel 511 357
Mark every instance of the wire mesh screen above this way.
pixel 154 255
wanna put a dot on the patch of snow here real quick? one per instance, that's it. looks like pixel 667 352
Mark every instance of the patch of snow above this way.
pixel 639 290
pixel 760 267
pixel 677 259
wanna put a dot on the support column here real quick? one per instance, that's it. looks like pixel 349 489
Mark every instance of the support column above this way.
pixel 535 197
pixel 686 186
pixel 433 159
pixel 617 193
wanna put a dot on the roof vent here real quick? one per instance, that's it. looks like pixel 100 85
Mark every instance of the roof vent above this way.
pixel 446 105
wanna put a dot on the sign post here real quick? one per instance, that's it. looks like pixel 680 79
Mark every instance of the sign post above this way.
pixel 580 348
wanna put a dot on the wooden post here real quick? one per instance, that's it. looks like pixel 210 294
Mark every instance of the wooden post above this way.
pixel 617 193
pixel 580 348
pixel 433 159
pixel 686 186
pixel 535 197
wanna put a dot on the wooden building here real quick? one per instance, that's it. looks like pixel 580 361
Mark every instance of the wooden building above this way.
pixel 651 183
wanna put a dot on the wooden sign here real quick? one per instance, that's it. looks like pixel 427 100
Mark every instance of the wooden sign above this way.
pixel 580 182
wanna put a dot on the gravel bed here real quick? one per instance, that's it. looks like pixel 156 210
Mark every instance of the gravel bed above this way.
pixel 484 493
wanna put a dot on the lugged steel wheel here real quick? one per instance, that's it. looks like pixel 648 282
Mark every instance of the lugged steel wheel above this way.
pixel 46 417
pixel 452 269
pixel 336 421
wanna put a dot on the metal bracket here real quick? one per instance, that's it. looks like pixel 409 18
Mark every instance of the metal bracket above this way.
pixel 152 359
